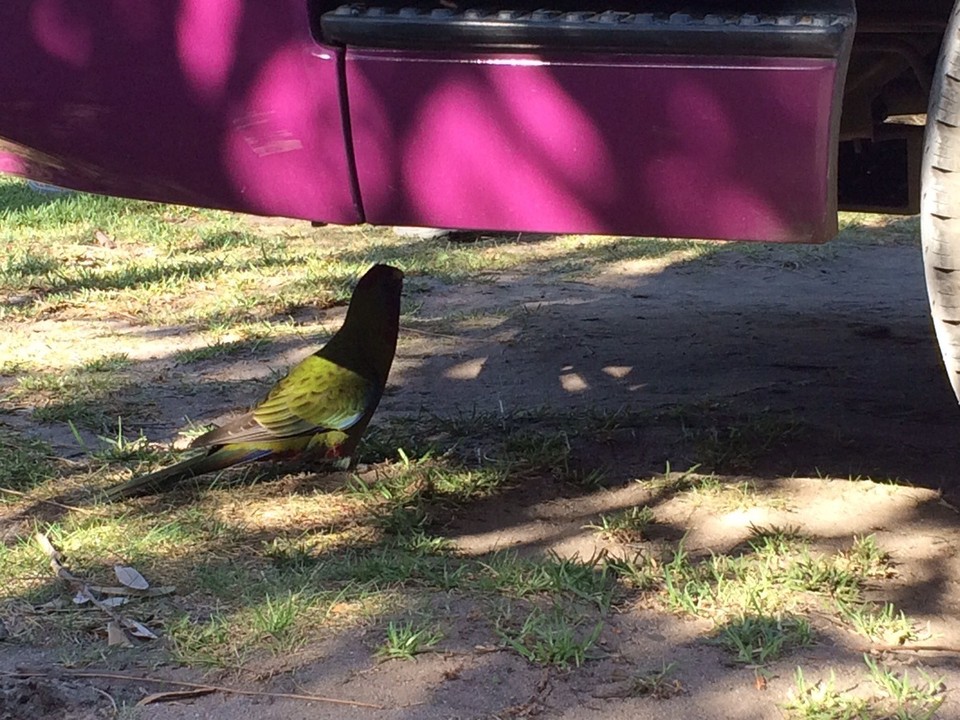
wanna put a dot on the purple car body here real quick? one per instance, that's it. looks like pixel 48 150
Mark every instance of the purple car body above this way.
pixel 237 104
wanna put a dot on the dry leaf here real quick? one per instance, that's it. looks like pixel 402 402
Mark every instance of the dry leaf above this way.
pixel 174 695
pixel 56 604
pixel 104 240
pixel 138 629
pixel 114 601
pixel 116 635
pixel 130 577
pixel 81 597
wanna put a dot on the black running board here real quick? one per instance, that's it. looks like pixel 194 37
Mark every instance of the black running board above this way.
pixel 820 32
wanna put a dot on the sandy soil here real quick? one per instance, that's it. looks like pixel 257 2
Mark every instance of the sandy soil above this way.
pixel 834 344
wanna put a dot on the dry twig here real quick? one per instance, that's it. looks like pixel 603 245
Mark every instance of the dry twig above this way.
pixel 203 687
pixel 54 503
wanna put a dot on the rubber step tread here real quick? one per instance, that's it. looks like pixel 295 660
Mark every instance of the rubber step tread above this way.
pixel 803 34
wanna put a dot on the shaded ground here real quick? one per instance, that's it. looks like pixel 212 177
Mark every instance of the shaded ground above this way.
pixel 809 374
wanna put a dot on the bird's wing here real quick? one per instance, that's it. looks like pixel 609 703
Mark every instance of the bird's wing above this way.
pixel 316 395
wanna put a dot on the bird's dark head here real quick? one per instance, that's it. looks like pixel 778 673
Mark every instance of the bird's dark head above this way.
pixel 368 338
pixel 377 294
pixel 380 279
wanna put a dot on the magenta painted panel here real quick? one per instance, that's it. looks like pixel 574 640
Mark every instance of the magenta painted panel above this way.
pixel 219 103
pixel 675 146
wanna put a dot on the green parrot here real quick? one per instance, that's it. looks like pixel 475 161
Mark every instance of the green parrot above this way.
pixel 320 408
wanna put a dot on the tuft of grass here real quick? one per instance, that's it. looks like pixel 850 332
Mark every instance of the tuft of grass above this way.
pixel 884 623
pixel 903 698
pixel 756 640
pixel 513 576
pixel 643 571
pixel 626 526
pixel 120 449
pixel 658 683
pixel 822 701
pixel 776 540
pixel 895 697
pixel 867 559
pixel 276 618
pixel 107 363
pixel 206 643
pixel 406 640
pixel 24 462
pixel 550 637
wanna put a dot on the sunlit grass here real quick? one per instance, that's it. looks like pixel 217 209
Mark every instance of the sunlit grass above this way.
pixel 361 545
pixel 625 526
pixel 266 568
pixel 912 695
pixel 26 462
pixel 405 640
pixel 70 255
pixel 555 636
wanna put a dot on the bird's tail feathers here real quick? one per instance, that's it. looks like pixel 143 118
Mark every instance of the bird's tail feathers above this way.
pixel 163 479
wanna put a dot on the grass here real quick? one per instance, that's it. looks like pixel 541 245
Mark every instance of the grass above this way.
pixel 757 640
pixel 881 622
pixel 735 445
pixel 893 697
pixel 625 526
pixel 358 546
pixel 91 394
pixel 406 640
pixel 553 637
pixel 754 598
pixel 99 335
pixel 276 619
pixel 170 265
pixel 658 683
pixel 26 463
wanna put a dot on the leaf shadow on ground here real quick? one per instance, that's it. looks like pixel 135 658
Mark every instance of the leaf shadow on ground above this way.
pixel 759 373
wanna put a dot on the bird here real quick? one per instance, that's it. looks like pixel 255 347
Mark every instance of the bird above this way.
pixel 320 408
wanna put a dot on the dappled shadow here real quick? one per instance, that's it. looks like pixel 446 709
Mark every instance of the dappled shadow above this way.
pixel 746 367
pixel 259 99
pixel 753 368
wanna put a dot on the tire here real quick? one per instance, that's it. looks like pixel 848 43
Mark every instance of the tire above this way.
pixel 940 200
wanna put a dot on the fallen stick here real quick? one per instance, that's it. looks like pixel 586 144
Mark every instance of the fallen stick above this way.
pixel 62 506
pixel 92 675
pixel 877 647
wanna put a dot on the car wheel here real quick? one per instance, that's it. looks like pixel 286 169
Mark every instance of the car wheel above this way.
pixel 940 200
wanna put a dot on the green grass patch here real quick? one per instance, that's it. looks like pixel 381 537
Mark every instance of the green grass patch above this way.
pixel 555 636
pixel 626 526
pixel 406 640
pixel 267 568
pixel 25 462
pixel 78 254
pixel 658 683
pixel 756 640
pixel 892 696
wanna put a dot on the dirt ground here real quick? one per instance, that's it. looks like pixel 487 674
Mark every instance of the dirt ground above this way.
pixel 834 343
